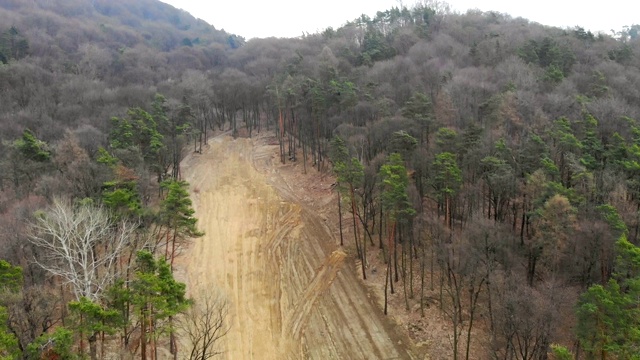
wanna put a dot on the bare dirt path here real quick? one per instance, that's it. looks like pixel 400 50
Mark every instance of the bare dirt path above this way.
pixel 293 293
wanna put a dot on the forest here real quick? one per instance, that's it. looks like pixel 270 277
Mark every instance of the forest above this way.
pixel 492 164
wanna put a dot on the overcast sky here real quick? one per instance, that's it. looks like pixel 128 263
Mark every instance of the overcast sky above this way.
pixel 290 18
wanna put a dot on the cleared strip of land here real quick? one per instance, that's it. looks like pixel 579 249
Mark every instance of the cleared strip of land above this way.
pixel 292 293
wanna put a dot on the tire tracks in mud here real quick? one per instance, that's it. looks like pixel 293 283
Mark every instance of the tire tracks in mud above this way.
pixel 324 277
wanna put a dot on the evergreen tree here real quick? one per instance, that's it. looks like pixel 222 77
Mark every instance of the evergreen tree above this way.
pixel 9 349
pixel 609 316
pixel 447 180
pixel 10 277
pixel 156 297
pixel 10 280
pixel 395 202
pixel 92 320
pixel 176 213
pixel 32 148
pixel 420 109
pixel 350 176
pixel 57 345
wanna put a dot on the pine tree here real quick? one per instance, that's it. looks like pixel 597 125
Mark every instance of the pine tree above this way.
pixel 350 173
pixel 156 297
pixel 609 316
pixel 32 148
pixel 446 182
pixel 395 202
pixel 176 213
pixel 92 320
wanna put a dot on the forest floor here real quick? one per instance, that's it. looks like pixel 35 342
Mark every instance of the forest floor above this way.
pixel 271 248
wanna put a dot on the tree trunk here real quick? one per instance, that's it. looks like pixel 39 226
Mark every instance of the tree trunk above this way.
pixel 340 219
pixel 102 344
pixel 456 312
pixel 355 225
pixel 364 258
pixel 447 212
pixel 81 337
pixel 524 217
pixel 93 346
pixel 319 143
pixel 363 222
pixel 304 159
pixel 386 286
pixel 392 251
pixel 531 269
pixel 380 230
pixel 441 288
pixel 395 253
pixel 281 135
pixel 422 268
pixel 173 248
pixel 431 263
pixel 473 302
pixel 173 344
pixel 411 250
pixel 154 341
pixel 388 274
pixel 404 277
pixel 143 336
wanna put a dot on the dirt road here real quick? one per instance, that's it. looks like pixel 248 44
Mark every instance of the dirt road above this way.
pixel 293 294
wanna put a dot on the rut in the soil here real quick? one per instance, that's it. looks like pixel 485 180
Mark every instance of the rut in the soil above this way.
pixel 323 279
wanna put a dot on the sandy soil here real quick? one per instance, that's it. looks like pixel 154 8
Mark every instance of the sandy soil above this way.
pixel 293 292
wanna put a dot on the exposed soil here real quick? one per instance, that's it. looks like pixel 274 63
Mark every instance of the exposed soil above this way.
pixel 294 293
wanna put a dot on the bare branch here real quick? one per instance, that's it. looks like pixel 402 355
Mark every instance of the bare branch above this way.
pixel 80 244
pixel 205 324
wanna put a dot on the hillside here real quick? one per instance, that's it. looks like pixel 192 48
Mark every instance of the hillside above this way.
pixel 85 61
pixel 486 166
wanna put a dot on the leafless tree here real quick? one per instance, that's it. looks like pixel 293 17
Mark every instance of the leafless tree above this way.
pixel 80 244
pixel 205 324
pixel 31 312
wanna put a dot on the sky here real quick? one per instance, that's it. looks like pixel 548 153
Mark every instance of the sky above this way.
pixel 291 18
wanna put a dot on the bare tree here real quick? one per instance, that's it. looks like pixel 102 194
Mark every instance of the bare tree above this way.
pixel 205 324
pixel 31 312
pixel 80 244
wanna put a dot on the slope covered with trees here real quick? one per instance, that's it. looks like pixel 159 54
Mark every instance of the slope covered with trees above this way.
pixel 490 163
pixel 92 208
